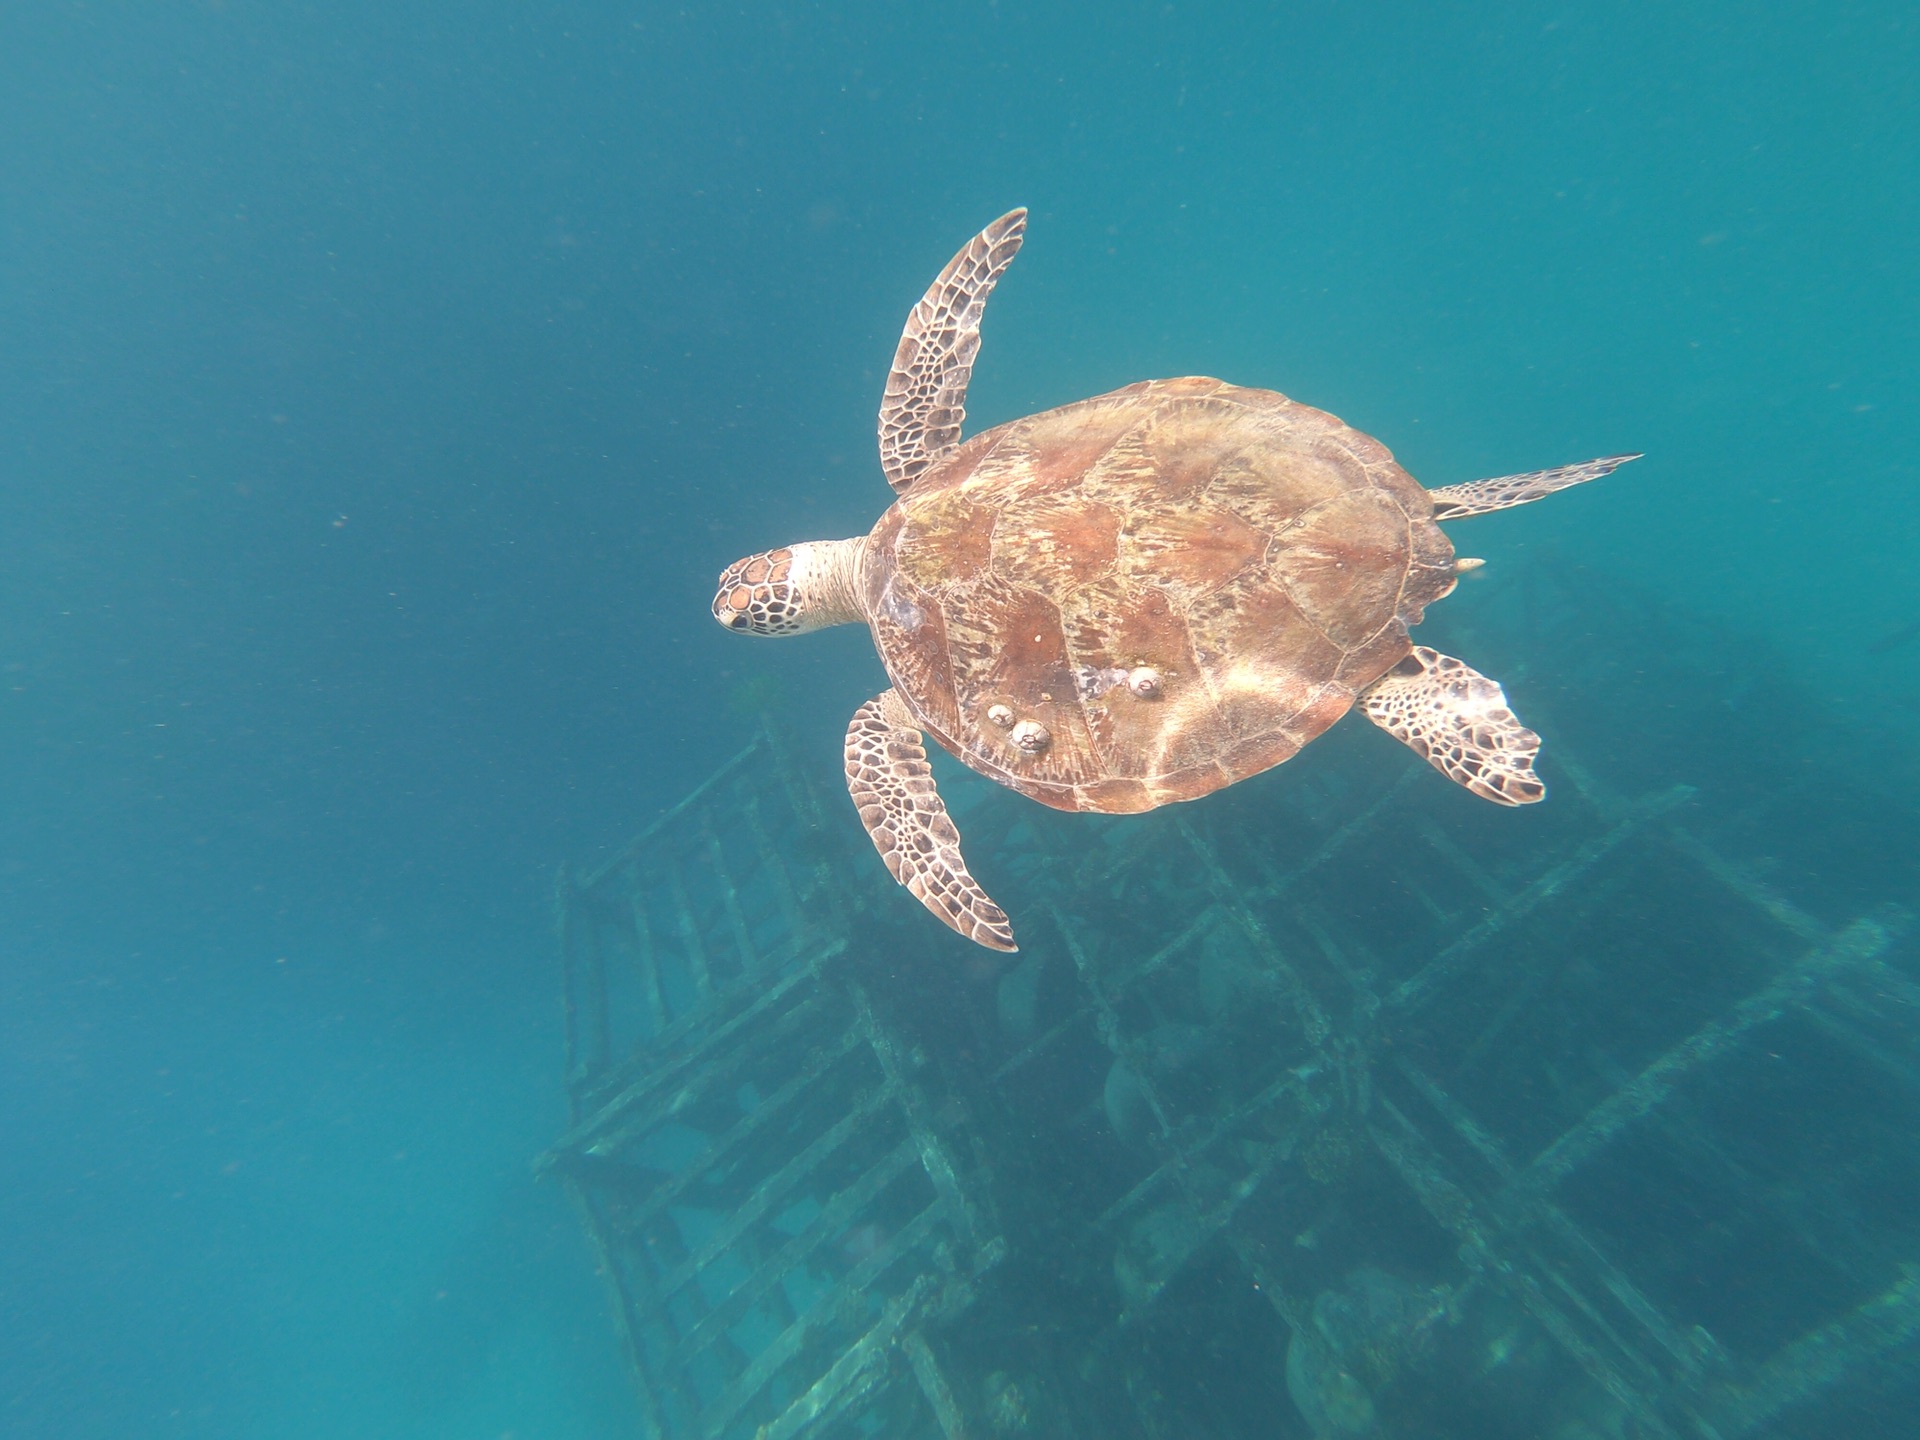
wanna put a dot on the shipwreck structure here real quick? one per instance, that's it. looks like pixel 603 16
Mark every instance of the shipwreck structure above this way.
pixel 1337 1105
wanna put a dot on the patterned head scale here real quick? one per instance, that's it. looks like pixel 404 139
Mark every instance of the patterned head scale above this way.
pixel 758 595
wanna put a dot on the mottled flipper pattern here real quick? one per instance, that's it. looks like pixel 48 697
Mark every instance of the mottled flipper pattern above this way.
pixel 926 399
pixel 892 787
pixel 1457 720
pixel 1478 497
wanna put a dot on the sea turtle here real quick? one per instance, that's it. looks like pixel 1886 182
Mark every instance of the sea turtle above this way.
pixel 1130 600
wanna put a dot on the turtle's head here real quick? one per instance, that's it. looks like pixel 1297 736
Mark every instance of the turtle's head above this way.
pixel 792 589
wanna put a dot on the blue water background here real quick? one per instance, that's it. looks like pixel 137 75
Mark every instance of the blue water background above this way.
pixel 382 386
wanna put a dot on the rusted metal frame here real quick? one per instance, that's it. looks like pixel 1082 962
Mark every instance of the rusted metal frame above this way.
pixel 1040 1043
pixel 1227 900
pixel 777 1186
pixel 1418 986
pixel 1444 845
pixel 631 850
pixel 1219 1218
pixel 933 1154
pixel 748 992
pixel 743 1130
pixel 1539 1212
pixel 573 1072
pixel 1886 982
pixel 730 897
pixel 1801 1371
pixel 1826 1009
pixel 786 1345
pixel 1411 1155
pixel 1175 1164
pixel 1689 1351
pixel 804 801
pixel 800 797
pixel 1366 1000
pixel 599 1017
pixel 1441 917
pixel 1116 852
pixel 1863 940
pixel 1588 787
pixel 774 865
pixel 1342 1052
pixel 1214 1134
pixel 1107 1021
pixel 1277 887
pixel 1225 907
pixel 1295 1313
pixel 828 1225
pixel 1123 981
pixel 1537 977
pixel 663 1071
pixel 1459 1119
pixel 853 1384
pixel 1748 887
pixel 933 1385
pixel 1813 1211
pixel 1125 977
pixel 636 1106
pixel 859 1370
pixel 689 926
pixel 650 992
pixel 625 1312
pixel 1347 1051
pixel 1686 1353
pixel 1841 1029
pixel 1756 895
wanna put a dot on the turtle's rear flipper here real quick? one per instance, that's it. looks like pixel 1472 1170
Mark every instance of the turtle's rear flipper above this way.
pixel 1477 497
pixel 1457 720
pixel 892 787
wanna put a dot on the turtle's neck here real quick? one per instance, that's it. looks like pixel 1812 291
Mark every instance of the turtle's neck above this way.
pixel 827 575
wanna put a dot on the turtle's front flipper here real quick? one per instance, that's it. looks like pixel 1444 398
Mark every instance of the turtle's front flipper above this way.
pixel 1477 497
pixel 926 399
pixel 1457 720
pixel 892 787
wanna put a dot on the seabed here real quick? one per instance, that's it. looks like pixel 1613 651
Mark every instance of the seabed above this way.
pixel 1339 1104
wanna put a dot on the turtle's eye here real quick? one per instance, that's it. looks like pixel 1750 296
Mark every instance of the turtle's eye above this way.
pixel 733 600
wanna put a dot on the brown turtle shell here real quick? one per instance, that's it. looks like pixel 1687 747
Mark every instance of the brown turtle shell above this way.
pixel 1259 555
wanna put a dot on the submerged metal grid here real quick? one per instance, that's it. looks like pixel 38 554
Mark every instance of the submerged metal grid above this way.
pixel 1410 1022
pixel 1555 1100
pixel 763 1177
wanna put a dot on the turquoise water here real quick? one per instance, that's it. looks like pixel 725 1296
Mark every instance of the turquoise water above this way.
pixel 382 387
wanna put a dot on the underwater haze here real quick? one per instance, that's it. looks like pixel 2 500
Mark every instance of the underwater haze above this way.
pixel 382 388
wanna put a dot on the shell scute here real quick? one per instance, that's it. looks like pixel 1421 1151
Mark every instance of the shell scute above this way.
pixel 1054 546
pixel 1264 657
pixel 913 637
pixel 951 533
pixel 1366 662
pixel 1345 563
pixel 1192 549
pixel 1114 628
pixel 1061 446
pixel 1189 449
pixel 1007 646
